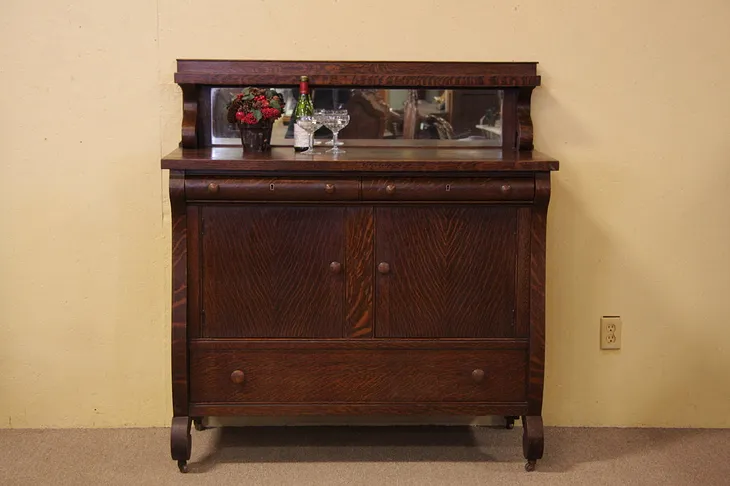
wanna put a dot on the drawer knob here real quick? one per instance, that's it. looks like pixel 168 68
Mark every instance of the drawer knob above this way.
pixel 336 267
pixel 237 377
pixel 384 267
pixel 213 188
pixel 329 188
pixel 390 188
pixel 477 375
pixel 506 188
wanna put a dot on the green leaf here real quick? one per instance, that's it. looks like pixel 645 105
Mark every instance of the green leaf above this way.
pixel 274 104
pixel 247 97
pixel 258 115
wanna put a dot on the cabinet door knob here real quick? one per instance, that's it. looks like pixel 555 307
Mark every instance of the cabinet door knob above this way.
pixel 237 377
pixel 390 188
pixel 213 187
pixel 384 267
pixel 477 375
pixel 336 267
pixel 506 188
pixel 329 188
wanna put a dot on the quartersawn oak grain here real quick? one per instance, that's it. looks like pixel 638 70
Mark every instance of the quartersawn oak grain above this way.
pixel 522 269
pixel 452 271
pixel 359 234
pixel 271 189
pixel 448 189
pixel 356 375
pixel 194 311
pixel 537 294
pixel 267 271
pixel 179 295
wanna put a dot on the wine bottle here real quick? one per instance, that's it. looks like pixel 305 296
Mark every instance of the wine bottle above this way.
pixel 304 107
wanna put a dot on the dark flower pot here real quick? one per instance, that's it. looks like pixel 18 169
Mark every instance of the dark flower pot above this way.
pixel 256 138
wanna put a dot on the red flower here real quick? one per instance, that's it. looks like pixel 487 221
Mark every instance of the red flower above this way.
pixel 269 113
pixel 249 119
pixel 265 104
pixel 240 115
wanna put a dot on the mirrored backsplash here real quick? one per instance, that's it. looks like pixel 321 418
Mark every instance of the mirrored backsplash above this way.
pixel 458 116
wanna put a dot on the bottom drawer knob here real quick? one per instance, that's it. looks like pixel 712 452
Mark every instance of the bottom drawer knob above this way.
pixel 237 377
pixel 477 375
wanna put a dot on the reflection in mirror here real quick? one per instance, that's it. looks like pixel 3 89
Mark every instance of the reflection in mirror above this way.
pixel 471 116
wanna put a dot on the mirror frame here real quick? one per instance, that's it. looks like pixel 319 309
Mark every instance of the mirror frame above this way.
pixel 517 79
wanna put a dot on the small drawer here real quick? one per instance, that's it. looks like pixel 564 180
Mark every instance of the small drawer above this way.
pixel 272 189
pixel 356 375
pixel 443 189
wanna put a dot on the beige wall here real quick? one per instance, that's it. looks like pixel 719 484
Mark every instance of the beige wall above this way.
pixel 634 103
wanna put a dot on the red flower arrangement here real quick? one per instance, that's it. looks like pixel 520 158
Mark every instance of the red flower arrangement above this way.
pixel 256 106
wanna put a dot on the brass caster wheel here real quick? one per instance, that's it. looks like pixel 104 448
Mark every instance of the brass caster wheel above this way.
pixel 183 466
pixel 530 466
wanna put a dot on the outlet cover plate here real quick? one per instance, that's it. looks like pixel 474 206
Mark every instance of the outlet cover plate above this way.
pixel 610 332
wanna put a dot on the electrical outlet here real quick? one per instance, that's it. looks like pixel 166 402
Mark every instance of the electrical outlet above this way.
pixel 610 332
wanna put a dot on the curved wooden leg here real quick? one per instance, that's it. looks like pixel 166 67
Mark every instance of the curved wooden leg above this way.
pixel 180 441
pixel 533 440
pixel 510 421
pixel 198 421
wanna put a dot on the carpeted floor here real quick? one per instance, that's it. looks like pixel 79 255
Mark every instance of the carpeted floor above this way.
pixel 366 456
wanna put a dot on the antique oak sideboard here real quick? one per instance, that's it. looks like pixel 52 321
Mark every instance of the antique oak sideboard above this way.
pixel 403 277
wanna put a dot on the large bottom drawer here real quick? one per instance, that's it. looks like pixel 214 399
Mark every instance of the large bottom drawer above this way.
pixel 290 375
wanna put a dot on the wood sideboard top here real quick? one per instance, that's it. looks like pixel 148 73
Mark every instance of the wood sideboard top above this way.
pixel 358 159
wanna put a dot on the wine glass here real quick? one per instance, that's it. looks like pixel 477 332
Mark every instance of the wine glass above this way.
pixel 322 112
pixel 336 120
pixel 319 115
pixel 310 124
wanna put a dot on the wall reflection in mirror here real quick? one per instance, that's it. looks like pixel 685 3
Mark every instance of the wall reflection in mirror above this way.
pixel 461 116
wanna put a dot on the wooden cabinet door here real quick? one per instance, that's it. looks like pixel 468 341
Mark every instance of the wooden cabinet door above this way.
pixel 445 271
pixel 273 271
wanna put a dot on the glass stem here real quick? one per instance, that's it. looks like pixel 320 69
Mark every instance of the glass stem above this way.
pixel 311 141
pixel 334 141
